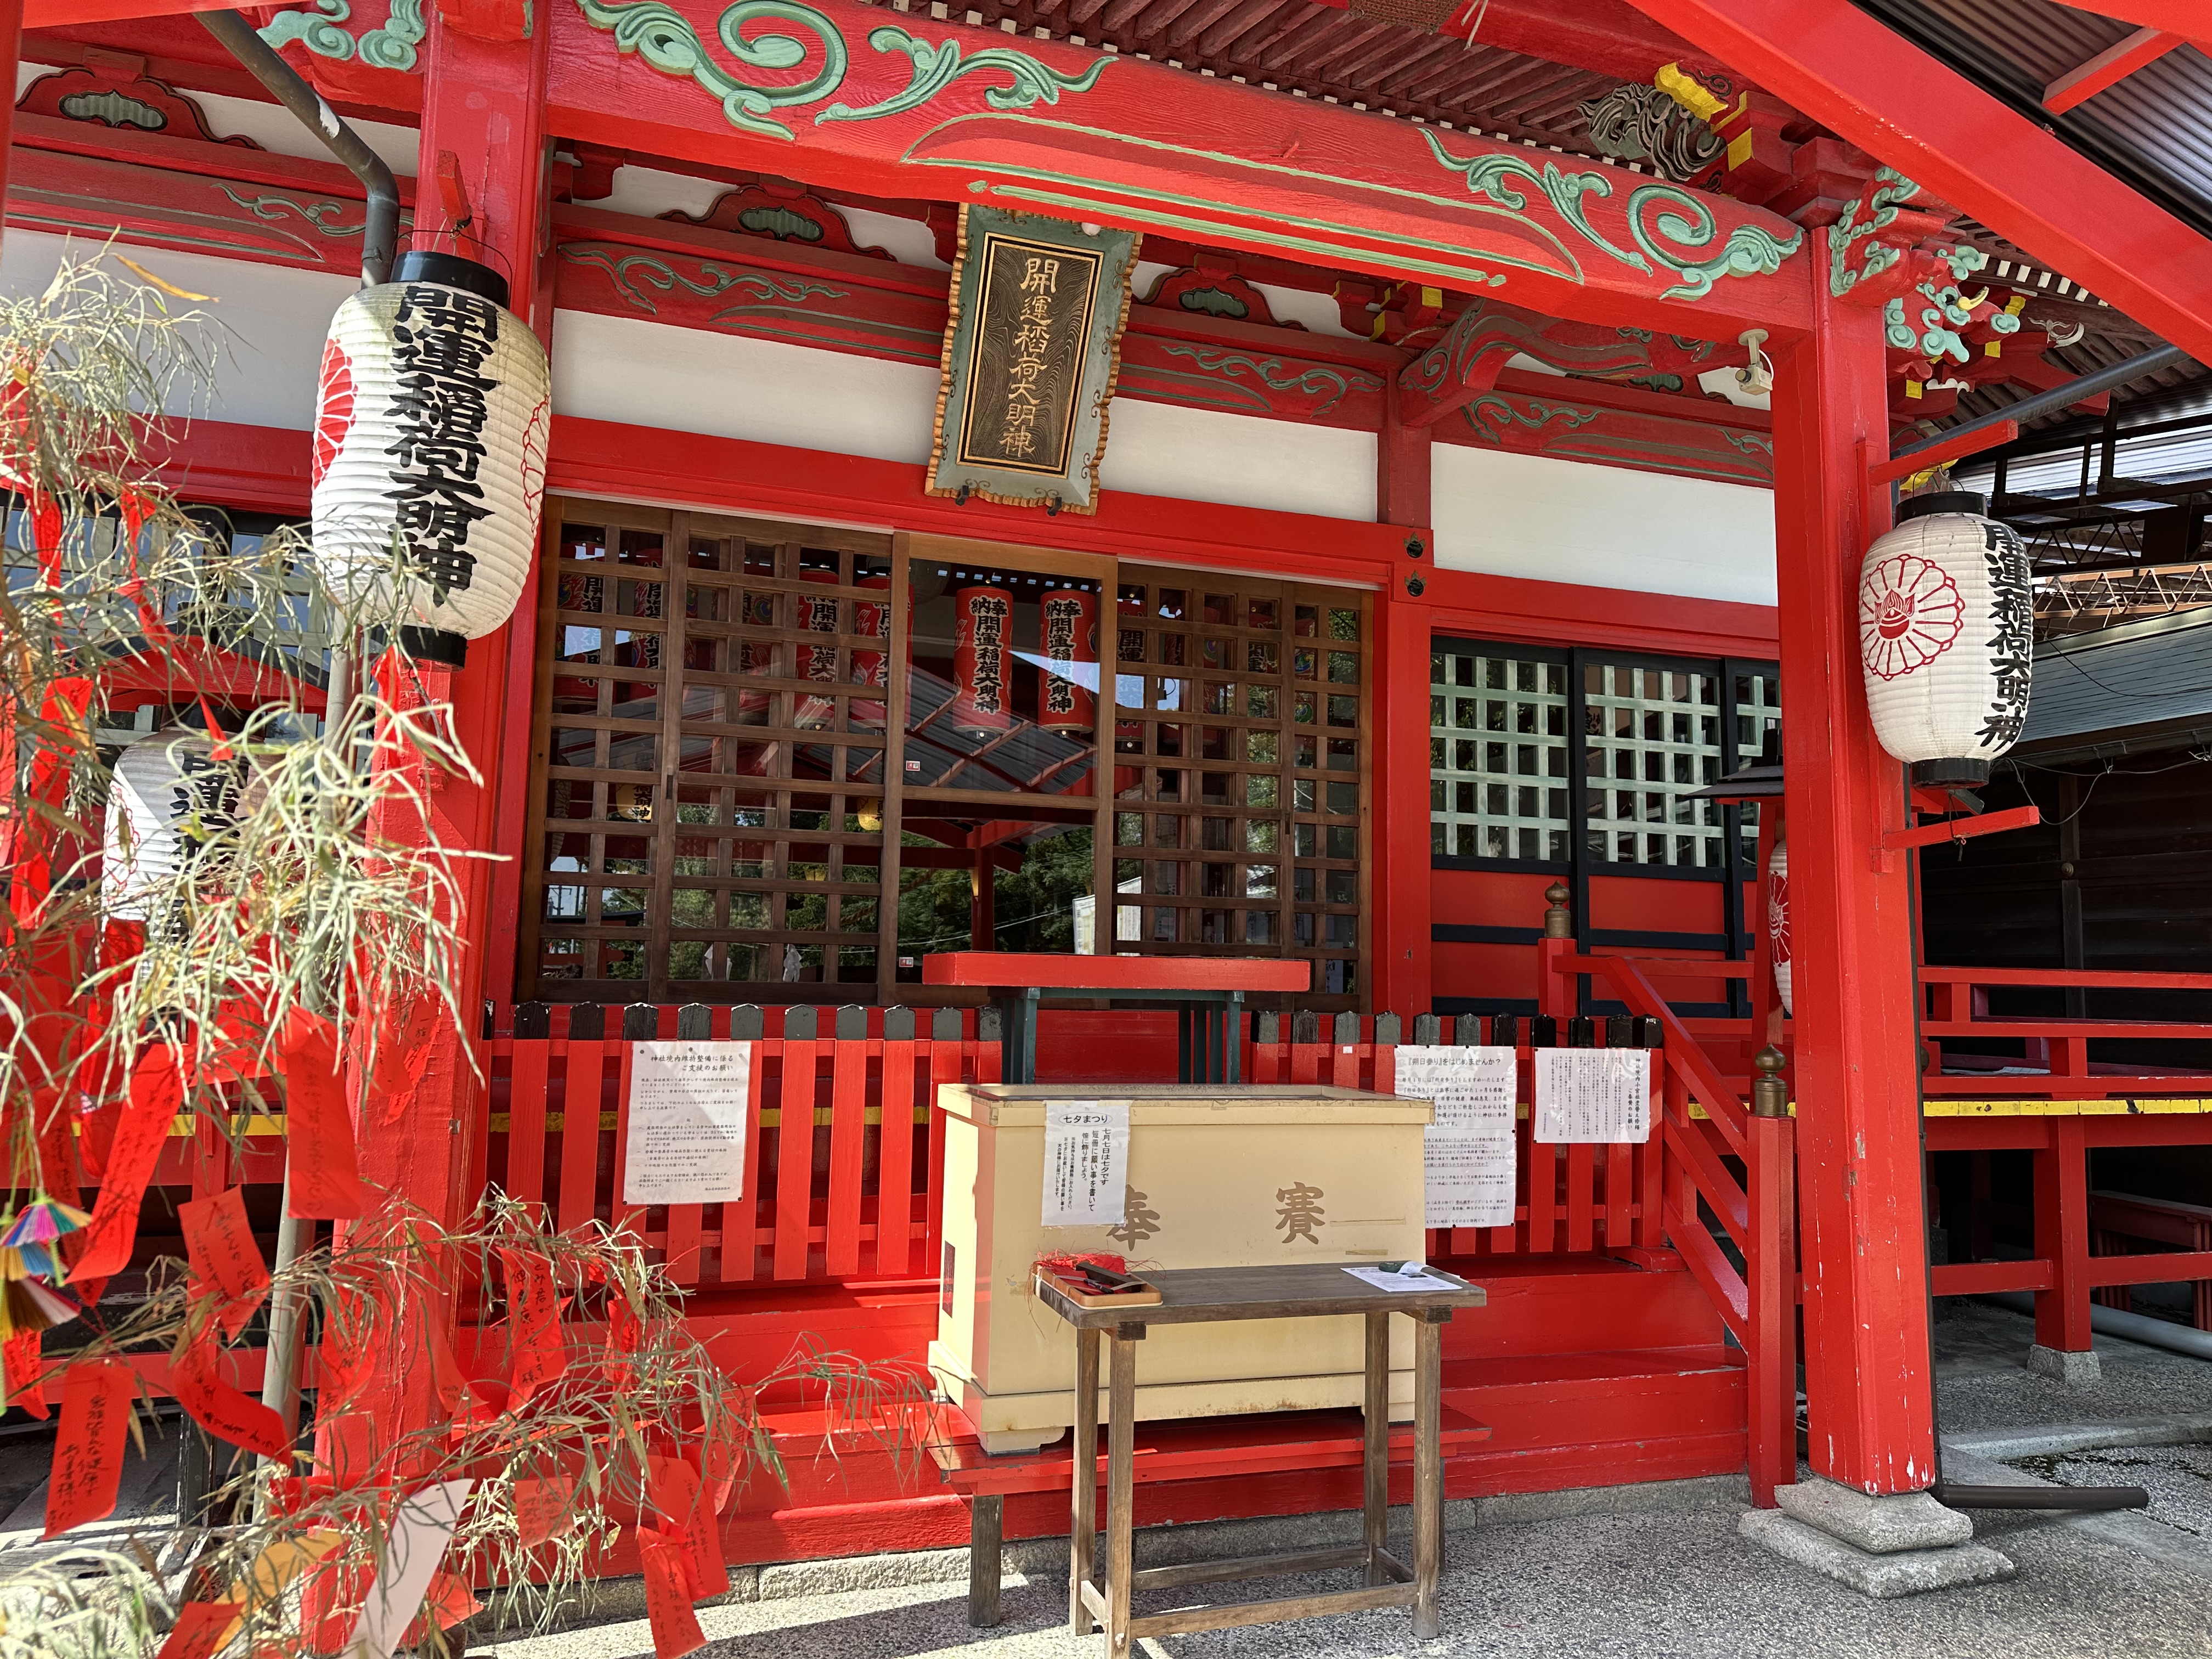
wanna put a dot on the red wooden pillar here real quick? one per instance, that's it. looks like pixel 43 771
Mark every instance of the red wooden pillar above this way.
pixel 484 168
pixel 2062 1237
pixel 1399 899
pixel 1857 1088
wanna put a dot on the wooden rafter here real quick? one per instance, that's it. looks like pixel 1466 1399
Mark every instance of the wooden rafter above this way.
pixel 2108 68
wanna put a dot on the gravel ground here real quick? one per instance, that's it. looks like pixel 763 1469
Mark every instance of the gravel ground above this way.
pixel 1651 1586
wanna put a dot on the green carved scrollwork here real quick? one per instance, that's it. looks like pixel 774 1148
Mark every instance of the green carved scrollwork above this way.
pixel 661 34
pixel 633 273
pixel 1891 190
pixel 1489 415
pixel 1749 250
pixel 1928 320
pixel 390 46
pixel 1330 385
pixel 317 30
pixel 1673 227
pixel 937 66
pixel 325 216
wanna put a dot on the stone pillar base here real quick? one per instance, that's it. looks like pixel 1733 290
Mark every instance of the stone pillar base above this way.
pixel 2076 1371
pixel 1899 1544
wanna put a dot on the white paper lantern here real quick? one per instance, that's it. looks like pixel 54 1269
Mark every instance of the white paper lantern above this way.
pixel 1777 921
pixel 431 421
pixel 1947 638
pixel 167 794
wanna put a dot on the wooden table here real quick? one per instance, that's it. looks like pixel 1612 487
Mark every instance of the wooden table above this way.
pixel 1207 994
pixel 1205 1295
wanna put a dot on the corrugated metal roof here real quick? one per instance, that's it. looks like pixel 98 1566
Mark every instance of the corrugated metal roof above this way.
pixel 2145 685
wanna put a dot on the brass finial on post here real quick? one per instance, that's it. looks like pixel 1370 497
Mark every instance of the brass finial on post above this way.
pixel 1559 920
pixel 1770 1094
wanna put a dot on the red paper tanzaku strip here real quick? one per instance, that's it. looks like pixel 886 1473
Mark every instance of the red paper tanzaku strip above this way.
pixel 224 1256
pixel 196 1378
pixel 157 1091
pixel 201 1629
pixel 89 1451
pixel 543 1511
pixel 534 1321
pixel 672 1487
pixel 325 1175
pixel 26 1373
pixel 665 1559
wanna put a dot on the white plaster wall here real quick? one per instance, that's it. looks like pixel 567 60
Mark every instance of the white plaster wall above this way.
pixel 266 331
pixel 644 374
pixel 1602 527
pixel 1202 455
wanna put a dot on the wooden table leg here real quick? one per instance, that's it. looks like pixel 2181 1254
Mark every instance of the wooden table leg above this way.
pixel 1083 1490
pixel 1428 1471
pixel 1121 1453
pixel 1376 1458
pixel 987 1530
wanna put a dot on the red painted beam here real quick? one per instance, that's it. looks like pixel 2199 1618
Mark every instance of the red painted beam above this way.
pixel 1608 36
pixel 1138 145
pixel 1879 91
pixel 61 14
pixel 1134 974
pixel 1988 1278
pixel 2108 68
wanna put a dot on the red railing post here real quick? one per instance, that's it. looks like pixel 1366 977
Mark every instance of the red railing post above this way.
pixel 2062 1238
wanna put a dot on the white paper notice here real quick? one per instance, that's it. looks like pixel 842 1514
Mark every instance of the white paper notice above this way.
pixel 1468 1150
pixel 687 1122
pixel 1412 1277
pixel 1585 1094
pixel 421 1530
pixel 1086 1162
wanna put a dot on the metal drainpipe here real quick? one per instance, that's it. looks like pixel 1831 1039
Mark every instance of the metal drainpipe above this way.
pixel 380 237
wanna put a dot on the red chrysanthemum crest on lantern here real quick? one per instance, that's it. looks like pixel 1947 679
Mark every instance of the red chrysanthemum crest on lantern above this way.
pixel 333 409
pixel 1915 615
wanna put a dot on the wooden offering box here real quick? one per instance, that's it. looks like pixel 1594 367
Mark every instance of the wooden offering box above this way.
pixel 1219 1176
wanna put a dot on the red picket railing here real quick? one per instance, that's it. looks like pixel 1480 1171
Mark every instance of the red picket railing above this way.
pixel 869 1203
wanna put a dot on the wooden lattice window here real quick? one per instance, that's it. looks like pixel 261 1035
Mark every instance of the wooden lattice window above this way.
pixel 710 763
pixel 729 775
pixel 1242 772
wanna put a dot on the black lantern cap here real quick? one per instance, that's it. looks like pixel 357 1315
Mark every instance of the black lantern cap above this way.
pixel 1943 501
pixel 1761 781
pixel 434 645
pixel 423 264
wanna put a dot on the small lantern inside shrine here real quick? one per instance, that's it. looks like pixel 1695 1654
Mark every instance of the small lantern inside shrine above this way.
pixel 1947 638
pixel 1070 641
pixel 431 419
pixel 981 690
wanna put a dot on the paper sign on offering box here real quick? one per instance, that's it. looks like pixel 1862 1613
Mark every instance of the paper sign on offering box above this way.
pixel 1468 1152
pixel 1585 1095
pixel 1032 345
pixel 1087 1163
pixel 688 1110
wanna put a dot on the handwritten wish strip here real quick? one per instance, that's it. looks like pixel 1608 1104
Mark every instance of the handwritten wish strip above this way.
pixel 1593 1096
pixel 688 1113
pixel 1467 1152
pixel 89 1451
pixel 1086 1162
